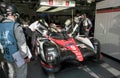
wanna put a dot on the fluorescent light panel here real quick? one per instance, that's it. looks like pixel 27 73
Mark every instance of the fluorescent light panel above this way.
pixel 57 9
pixel 43 8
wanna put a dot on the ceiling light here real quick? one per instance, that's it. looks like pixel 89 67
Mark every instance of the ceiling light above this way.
pixel 58 9
pixel 43 8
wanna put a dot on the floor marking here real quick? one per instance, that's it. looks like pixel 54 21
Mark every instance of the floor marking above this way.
pixel 51 76
pixel 112 70
pixel 85 68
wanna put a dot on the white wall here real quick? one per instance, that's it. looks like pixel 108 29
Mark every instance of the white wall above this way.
pixel 107 28
pixel 108 3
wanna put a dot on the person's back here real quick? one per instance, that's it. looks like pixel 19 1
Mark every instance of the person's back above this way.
pixel 13 41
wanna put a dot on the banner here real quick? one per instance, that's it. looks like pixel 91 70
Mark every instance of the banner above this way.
pixel 62 3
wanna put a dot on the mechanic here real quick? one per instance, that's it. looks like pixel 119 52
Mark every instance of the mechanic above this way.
pixel 72 27
pixel 85 25
pixel 13 41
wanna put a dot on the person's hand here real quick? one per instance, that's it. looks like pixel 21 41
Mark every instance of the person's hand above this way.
pixel 87 29
pixel 70 35
pixel 27 60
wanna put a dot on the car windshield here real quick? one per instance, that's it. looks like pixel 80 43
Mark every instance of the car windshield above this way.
pixel 59 35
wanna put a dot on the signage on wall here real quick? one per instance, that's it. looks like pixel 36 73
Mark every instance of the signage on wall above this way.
pixel 64 3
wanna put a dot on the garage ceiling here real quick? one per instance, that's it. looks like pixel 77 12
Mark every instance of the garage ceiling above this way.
pixel 30 5
pixel 36 1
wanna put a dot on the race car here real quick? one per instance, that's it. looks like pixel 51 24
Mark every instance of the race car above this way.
pixel 58 49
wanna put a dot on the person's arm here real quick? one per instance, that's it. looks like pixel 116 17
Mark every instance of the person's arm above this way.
pixel 28 31
pixel 89 23
pixel 21 41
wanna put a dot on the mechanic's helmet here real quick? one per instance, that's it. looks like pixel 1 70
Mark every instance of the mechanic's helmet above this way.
pixel 83 15
pixel 3 8
pixel 11 9
pixel 76 19
pixel 68 22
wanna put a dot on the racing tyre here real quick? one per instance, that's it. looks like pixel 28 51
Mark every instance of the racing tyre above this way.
pixel 96 45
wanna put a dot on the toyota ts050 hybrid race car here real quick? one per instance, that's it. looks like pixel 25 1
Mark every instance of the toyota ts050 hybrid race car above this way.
pixel 58 49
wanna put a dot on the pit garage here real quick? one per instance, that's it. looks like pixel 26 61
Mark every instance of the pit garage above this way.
pixel 105 17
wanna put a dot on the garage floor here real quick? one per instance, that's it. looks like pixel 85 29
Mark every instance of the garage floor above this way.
pixel 106 68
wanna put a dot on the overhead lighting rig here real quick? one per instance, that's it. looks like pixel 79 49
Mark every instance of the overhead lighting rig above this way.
pixel 55 5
